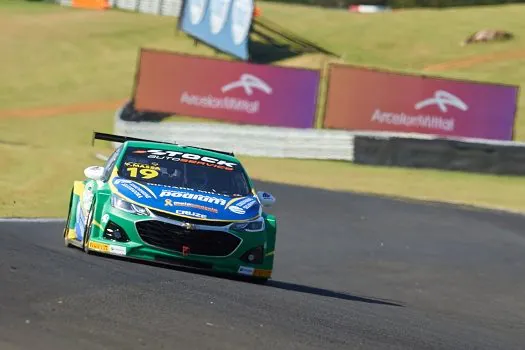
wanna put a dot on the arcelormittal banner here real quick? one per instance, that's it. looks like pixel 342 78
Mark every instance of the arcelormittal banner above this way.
pixel 374 100
pixel 237 92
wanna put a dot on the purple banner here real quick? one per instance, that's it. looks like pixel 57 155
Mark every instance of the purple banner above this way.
pixel 231 91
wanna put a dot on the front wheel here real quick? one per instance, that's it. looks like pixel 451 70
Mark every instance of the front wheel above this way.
pixel 66 228
pixel 87 230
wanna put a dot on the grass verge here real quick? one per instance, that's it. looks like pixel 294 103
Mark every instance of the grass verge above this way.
pixel 40 165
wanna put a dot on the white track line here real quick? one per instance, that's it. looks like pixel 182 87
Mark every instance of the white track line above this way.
pixel 34 220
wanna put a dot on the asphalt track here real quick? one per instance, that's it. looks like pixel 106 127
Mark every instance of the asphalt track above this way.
pixel 351 272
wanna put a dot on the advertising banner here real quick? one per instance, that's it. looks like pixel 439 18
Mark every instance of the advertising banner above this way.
pixel 237 92
pixel 222 24
pixel 373 100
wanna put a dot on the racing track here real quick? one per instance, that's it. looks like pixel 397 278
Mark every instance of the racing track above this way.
pixel 371 273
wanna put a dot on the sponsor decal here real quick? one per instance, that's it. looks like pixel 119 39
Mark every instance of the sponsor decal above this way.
pixel 441 99
pixel 143 173
pixel 197 197
pixel 185 250
pixel 244 270
pixel 105 219
pixel 101 247
pixel 117 250
pixel 235 92
pixel 226 103
pixel 138 190
pixel 246 203
pixel 142 166
pixel 170 203
pixel 190 213
pixel 190 158
pixel 262 273
pixel 410 120
pixel 376 100
pixel 181 188
pixel 119 181
pixel 236 209
pixel 247 82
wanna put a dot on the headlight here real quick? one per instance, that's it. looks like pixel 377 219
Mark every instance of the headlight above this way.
pixel 119 203
pixel 249 226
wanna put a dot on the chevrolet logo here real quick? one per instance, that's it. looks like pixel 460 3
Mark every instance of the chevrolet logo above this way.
pixel 188 226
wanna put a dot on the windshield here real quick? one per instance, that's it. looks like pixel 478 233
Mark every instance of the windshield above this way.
pixel 188 170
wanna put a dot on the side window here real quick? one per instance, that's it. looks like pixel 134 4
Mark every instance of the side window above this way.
pixel 110 163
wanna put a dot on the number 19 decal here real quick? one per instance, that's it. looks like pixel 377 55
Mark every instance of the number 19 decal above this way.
pixel 143 173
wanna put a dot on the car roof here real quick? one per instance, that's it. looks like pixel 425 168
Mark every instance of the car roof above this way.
pixel 183 148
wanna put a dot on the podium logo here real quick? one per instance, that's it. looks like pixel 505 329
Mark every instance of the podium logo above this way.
pixel 248 82
pixel 441 99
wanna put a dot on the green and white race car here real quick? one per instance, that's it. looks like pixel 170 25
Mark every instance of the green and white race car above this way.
pixel 173 204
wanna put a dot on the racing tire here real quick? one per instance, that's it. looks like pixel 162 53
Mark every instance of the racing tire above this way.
pixel 66 227
pixel 87 230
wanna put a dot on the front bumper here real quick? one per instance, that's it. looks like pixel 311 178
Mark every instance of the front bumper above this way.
pixel 161 240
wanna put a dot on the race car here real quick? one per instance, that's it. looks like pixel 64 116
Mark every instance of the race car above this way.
pixel 173 204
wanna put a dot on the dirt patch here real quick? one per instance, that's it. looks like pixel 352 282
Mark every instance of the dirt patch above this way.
pixel 53 111
pixel 472 61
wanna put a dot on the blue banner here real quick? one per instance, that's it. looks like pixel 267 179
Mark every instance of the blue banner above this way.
pixel 222 24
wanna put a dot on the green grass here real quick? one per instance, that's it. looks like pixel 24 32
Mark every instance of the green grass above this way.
pixel 40 164
pixel 54 56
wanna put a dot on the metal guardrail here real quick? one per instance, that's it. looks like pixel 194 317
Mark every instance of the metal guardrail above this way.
pixel 262 141
pixel 273 142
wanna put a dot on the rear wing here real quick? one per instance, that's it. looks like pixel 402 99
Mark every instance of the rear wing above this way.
pixel 121 139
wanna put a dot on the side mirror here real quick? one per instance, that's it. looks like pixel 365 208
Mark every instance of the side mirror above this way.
pixel 94 172
pixel 267 200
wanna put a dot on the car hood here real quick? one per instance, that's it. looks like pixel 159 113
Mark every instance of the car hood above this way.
pixel 188 202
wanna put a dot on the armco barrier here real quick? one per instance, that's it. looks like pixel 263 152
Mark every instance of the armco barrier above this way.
pixel 504 158
pixel 384 149
pixel 250 140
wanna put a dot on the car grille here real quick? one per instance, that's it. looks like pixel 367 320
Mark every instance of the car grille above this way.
pixel 200 242
pixel 191 221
